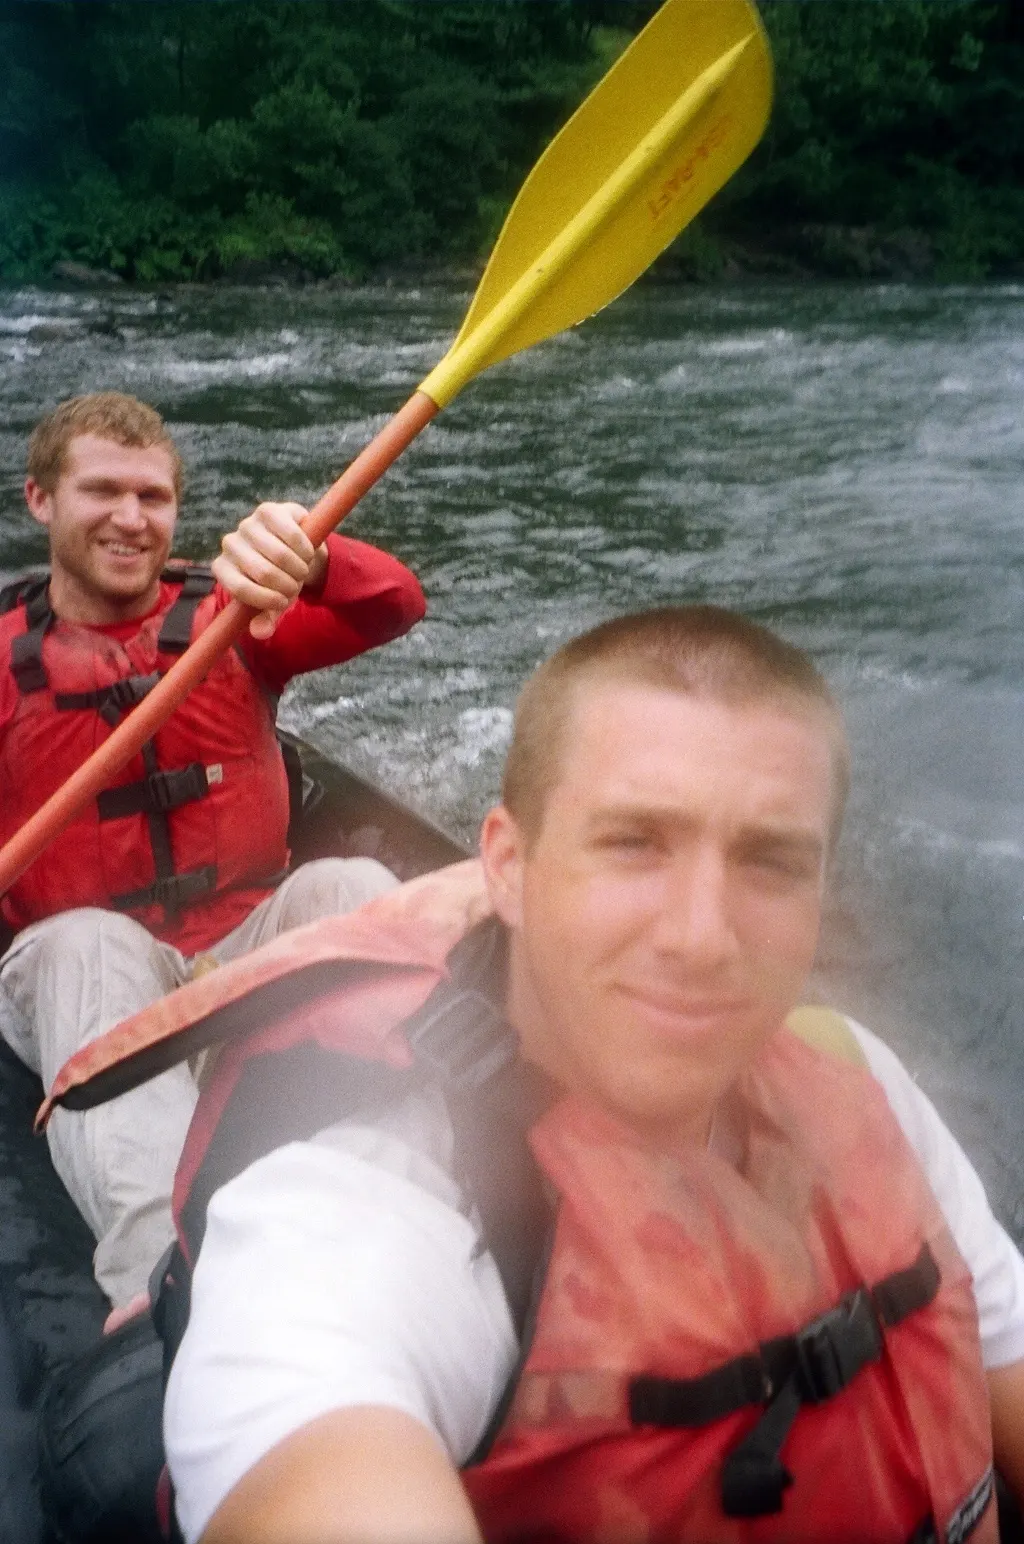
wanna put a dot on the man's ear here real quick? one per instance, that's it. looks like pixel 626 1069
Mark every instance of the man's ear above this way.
pixel 503 850
pixel 40 503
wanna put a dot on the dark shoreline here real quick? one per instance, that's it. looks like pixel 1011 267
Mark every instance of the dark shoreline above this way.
pixel 795 252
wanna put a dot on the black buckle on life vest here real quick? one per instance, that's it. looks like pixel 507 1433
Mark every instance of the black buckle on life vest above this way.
pixel 465 1041
pixel 830 1351
pixel 155 794
pixel 110 702
pixel 812 1366
pixel 174 891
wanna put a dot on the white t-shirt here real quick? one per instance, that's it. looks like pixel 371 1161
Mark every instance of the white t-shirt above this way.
pixel 344 1271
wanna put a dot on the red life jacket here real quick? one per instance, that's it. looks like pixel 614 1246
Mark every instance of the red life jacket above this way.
pixel 756 1355
pixel 783 1347
pixel 174 842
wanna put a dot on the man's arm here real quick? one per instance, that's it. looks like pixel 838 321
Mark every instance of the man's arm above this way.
pixel 995 1262
pixel 1006 1391
pixel 351 1476
pixel 339 1309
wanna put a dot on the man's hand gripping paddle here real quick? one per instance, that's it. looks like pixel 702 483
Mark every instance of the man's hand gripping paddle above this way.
pixel 666 127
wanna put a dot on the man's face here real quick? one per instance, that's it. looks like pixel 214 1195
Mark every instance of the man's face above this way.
pixel 111 520
pixel 666 917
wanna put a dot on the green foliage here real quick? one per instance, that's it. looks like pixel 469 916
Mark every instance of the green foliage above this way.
pixel 174 140
pixel 897 114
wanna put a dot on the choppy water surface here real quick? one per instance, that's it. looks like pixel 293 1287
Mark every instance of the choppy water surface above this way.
pixel 844 463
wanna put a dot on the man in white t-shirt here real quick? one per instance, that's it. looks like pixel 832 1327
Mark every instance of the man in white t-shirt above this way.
pixel 673 791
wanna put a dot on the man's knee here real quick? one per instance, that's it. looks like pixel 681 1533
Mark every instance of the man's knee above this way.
pixel 75 975
pixel 330 885
pixel 67 948
pixel 85 932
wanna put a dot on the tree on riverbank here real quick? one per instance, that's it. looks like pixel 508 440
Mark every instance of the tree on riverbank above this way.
pixel 176 140
pixel 900 119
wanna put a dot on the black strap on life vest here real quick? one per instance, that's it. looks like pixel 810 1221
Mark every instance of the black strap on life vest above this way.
pixel 461 1038
pixel 810 1367
pixel 110 702
pixel 174 892
pixel 197 581
pixel 13 593
pixel 27 666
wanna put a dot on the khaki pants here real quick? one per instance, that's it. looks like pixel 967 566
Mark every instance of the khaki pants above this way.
pixel 67 980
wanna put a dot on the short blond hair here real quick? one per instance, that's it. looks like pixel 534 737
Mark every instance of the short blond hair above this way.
pixel 698 651
pixel 110 415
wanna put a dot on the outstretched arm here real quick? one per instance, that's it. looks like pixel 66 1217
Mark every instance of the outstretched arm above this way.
pixel 353 1476
pixel 347 1346
pixel 996 1266
pixel 1006 1391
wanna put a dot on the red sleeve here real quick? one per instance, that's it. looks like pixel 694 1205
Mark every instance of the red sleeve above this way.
pixel 368 598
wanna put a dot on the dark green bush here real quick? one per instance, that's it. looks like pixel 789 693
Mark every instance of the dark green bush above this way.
pixel 176 140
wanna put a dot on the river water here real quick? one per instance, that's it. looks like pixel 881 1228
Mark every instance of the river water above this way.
pixel 842 462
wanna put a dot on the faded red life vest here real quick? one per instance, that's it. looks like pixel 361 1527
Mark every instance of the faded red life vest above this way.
pixel 681 1290
pixel 706 1328
pixel 193 834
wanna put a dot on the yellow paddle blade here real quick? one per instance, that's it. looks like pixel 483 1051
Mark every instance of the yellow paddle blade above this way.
pixel 656 138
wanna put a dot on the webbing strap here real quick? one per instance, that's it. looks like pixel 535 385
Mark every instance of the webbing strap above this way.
pixel 176 632
pixel 904 1292
pixel 13 594
pixel 27 666
pixel 160 835
pixel 183 890
pixel 461 1038
pixel 110 702
pixel 173 892
pixel 813 1365
pixel 156 793
pixel 754 1478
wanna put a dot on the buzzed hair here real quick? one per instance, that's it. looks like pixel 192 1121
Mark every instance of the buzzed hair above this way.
pixel 110 415
pixel 698 651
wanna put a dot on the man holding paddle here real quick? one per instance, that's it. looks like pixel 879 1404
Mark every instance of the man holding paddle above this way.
pixel 561 1228
pixel 185 852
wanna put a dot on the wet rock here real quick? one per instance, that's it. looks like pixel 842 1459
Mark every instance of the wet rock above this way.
pixel 81 274
pixel 403 275
pixel 53 332
pixel 858 251
pixel 279 274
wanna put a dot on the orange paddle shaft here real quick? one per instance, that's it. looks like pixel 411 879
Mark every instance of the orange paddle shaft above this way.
pixel 142 723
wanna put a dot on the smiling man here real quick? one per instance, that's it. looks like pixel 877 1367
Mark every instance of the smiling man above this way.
pixel 560 1231
pixel 665 895
pixel 187 852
